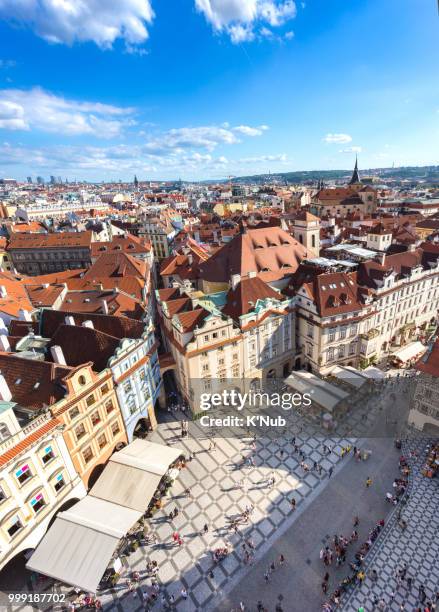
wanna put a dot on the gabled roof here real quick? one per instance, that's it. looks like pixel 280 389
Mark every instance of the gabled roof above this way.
pixel 119 327
pixel 192 319
pixel 333 292
pixel 243 298
pixel 33 383
pixel 83 344
pixel 270 252
pixel 116 265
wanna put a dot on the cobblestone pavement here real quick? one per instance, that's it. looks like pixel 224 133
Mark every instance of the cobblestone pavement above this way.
pixel 216 497
pixel 417 547
pixel 213 478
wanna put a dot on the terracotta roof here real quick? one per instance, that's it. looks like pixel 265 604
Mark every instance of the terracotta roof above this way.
pixel 29 441
pixel 16 298
pixel 33 383
pixel 180 304
pixel 32 226
pixel 270 252
pixel 119 327
pixel 243 298
pixel 50 241
pixel 170 293
pixel 40 295
pixel 191 319
pixel 304 215
pixel 116 265
pixel 118 303
pixel 335 194
pixel 401 263
pixel 83 344
pixel 429 363
pixel 22 328
pixel 126 244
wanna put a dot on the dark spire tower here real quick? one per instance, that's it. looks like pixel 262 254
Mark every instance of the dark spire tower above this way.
pixel 355 180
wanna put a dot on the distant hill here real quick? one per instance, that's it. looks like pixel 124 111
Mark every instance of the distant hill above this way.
pixel 429 174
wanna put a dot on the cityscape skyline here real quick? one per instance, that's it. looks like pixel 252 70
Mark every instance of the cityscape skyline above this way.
pixel 169 115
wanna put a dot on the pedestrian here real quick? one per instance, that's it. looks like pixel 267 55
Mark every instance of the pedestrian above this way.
pixel 293 503
pixel 409 581
pixel 356 521
pixel 368 482
pixel 324 587
pixel 331 469
pixel 272 566
pixel 374 575
pixel 281 560
pixel 206 528
pixel 267 577
pixel 183 593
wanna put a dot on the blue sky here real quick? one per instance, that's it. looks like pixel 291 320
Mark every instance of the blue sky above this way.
pixel 212 88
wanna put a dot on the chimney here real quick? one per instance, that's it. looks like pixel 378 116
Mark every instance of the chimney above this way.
pixel 24 315
pixel 252 274
pixel 69 320
pixel 46 285
pixel 3 292
pixel 5 393
pixel 104 306
pixel 4 344
pixel 58 355
pixel 88 324
pixel 235 280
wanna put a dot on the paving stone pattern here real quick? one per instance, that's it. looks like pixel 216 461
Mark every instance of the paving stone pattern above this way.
pixel 417 547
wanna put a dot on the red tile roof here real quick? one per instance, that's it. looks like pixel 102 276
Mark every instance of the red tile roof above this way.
pixel 29 441
pixel 429 363
pixel 60 240
pixel 243 298
pixel 270 252
pixel 118 327
pixel 82 344
pixel 33 384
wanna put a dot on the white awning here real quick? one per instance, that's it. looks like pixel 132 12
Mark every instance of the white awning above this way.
pixel 79 545
pixel 126 486
pixel 349 375
pixel 133 474
pixel 409 352
pixel 322 393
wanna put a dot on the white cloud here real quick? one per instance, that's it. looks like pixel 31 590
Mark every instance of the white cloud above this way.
pixel 12 116
pixel 238 18
pixel 353 149
pixel 250 131
pixel 118 161
pixel 337 138
pixel 205 137
pixel 70 21
pixel 41 110
pixel 5 63
pixel 282 157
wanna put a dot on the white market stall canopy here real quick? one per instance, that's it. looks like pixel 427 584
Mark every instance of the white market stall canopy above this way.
pixel 375 373
pixel 79 545
pixel 322 393
pixel 349 375
pixel 409 352
pixel 133 474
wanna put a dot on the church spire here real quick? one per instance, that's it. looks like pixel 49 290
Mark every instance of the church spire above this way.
pixel 355 180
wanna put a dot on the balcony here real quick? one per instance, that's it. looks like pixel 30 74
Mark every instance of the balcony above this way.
pixel 370 335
